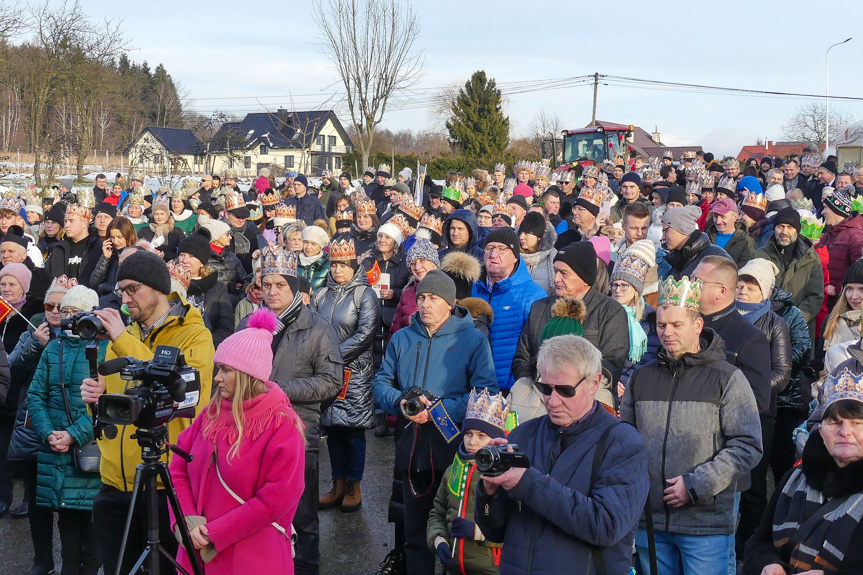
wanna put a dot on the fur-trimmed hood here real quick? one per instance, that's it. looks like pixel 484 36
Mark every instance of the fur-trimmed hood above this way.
pixel 462 265
pixel 548 237
pixel 477 307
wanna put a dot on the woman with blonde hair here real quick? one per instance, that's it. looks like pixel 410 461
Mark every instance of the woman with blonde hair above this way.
pixel 843 323
pixel 240 492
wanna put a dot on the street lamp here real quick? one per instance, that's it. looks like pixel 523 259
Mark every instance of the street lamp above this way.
pixel 827 93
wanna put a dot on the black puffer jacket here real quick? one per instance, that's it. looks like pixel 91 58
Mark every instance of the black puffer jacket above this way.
pixel 211 298
pixel 231 273
pixel 104 277
pixel 355 327
pixel 684 260
pixel 783 305
pixel 779 339
pixel 172 240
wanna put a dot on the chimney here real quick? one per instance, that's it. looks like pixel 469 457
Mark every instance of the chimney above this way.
pixel 655 135
pixel 283 117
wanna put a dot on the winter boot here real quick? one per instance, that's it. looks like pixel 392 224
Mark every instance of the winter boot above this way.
pixel 394 563
pixel 335 496
pixel 353 497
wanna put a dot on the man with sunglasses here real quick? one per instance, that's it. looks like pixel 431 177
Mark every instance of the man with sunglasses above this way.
pixel 700 424
pixel 576 509
pixel 159 317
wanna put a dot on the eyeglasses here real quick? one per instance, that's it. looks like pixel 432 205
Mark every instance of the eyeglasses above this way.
pixel 564 391
pixel 52 307
pixel 496 249
pixel 620 286
pixel 69 312
pixel 128 290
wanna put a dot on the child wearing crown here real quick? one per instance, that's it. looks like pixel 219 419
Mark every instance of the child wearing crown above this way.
pixel 451 530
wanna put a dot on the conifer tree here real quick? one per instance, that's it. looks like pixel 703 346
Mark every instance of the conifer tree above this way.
pixel 477 125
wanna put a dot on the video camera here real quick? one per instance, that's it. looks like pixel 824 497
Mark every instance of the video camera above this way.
pixel 493 460
pixel 84 324
pixel 414 405
pixel 169 389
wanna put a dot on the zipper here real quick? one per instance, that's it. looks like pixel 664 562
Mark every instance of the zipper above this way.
pixel 428 357
pixel 674 381
pixel 417 362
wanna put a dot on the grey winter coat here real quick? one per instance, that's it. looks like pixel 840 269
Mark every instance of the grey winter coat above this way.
pixel 355 327
pixel 699 420
pixel 540 265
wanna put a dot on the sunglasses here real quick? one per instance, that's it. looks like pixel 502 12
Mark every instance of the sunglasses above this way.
pixel 52 307
pixel 564 391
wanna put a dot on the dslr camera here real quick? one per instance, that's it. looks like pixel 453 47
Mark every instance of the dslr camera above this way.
pixel 168 388
pixel 84 324
pixel 493 460
pixel 414 405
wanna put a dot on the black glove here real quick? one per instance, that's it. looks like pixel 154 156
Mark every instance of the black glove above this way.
pixel 444 553
pixel 463 529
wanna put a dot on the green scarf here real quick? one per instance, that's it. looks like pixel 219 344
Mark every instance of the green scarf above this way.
pixel 637 337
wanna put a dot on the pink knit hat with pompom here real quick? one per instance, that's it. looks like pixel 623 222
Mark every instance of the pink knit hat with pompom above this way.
pixel 250 350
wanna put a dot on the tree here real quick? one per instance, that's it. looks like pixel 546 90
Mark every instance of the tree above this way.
pixel 477 125
pixel 371 43
pixel 808 124
pixel 544 127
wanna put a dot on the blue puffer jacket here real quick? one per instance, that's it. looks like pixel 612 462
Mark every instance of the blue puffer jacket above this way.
pixel 510 300
pixel 473 245
pixel 553 520
pixel 58 484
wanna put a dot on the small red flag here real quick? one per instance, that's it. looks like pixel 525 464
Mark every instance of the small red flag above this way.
pixel 374 274
pixel 5 310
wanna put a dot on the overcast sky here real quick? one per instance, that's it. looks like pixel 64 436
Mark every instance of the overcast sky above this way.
pixel 254 55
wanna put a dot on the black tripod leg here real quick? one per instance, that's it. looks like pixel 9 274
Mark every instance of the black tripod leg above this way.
pixel 181 524
pixel 135 490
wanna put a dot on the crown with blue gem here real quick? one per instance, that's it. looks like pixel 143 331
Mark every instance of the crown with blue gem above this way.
pixel 843 385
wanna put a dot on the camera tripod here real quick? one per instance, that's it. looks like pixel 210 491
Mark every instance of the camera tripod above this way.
pixel 152 442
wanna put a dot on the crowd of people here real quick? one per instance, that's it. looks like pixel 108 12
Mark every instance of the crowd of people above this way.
pixel 712 307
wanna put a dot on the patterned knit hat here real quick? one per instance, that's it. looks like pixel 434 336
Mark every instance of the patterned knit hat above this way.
pixel 423 250
pixel 250 350
pixel 840 201
pixel 633 265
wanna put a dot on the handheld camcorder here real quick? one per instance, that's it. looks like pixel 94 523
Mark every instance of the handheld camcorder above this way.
pixel 414 405
pixel 84 324
pixel 493 460
pixel 168 389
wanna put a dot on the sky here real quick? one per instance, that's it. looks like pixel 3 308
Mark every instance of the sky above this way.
pixel 238 58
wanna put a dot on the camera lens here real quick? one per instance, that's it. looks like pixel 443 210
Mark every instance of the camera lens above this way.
pixel 485 459
pixel 89 327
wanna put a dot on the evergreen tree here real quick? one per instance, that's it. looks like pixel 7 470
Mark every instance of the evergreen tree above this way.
pixel 477 124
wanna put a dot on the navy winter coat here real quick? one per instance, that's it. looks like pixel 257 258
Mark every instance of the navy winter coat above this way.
pixel 554 520
pixel 473 245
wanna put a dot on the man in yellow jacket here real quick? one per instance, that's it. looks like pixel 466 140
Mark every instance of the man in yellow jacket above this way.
pixel 159 317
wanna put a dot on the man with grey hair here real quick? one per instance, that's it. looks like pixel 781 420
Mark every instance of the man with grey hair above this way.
pixel 575 509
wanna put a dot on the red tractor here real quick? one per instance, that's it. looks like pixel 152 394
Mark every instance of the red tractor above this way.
pixel 595 144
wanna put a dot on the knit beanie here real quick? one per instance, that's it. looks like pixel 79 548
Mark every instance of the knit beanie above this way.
pixel 392 231
pixel 676 194
pixel 775 192
pixel 767 160
pixel 463 269
pixel 505 236
pixel 632 266
pixel 438 283
pixel 840 201
pixel 317 235
pixel 20 272
pixel 750 183
pixel 80 297
pixel 250 350
pixel 216 228
pixel 523 190
pixel 534 224
pixel 567 318
pixel 602 246
pixel 581 258
pixel 763 272
pixel 147 268
pixel 682 219
pixel 196 245
pixel 788 216
pixel 518 200
pixel 303 180
pixel 854 275
pixel 631 177
pixel 423 250
pixel 829 166
pixel 57 213
pixel 210 209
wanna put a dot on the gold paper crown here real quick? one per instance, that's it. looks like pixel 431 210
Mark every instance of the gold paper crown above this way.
pixel 77 210
pixel 63 282
pixel 592 195
pixel 136 199
pixel 492 409
pixel 365 206
pixel 284 211
pixel 178 194
pixel 411 210
pixel 137 175
pixel 234 201
pixel 754 200
pixel 276 259
pixel 342 251
pixel 402 224
pixel 345 216
pixel 843 385
pixel 269 199
pixel 706 181
pixel 683 293
pixel 500 208
pixel 180 274
pixel 501 167
pixel 522 166
pixel 230 174
pixel 485 199
pixel 190 185
pixel 432 223
pixel 591 172
pixel 385 169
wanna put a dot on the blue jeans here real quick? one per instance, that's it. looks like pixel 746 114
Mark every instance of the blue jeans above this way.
pixel 679 554
pixel 732 552
pixel 347 448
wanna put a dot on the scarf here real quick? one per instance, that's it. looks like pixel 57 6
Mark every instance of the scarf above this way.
pixel 241 242
pixel 182 216
pixel 18 303
pixel 637 336
pixel 260 413
pixel 161 230
pixel 255 295
pixel 306 261
pixel 289 316
pixel 534 259
pixel 753 311
pixel 217 249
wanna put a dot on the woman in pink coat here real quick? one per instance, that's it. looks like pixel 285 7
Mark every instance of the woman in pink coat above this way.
pixel 250 435
pixel 263 181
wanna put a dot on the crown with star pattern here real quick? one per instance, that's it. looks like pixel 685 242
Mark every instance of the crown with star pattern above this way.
pixel 276 259
pixel 685 293
pixel 843 385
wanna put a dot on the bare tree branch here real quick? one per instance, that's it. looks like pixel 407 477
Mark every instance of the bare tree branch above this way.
pixel 808 124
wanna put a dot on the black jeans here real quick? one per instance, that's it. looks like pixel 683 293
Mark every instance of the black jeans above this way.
pixel 753 501
pixel 308 553
pixel 7 468
pixel 41 518
pixel 109 518
pixel 79 548
pixel 420 559
pixel 784 452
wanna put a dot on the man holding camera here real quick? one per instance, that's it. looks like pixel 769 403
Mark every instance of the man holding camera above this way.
pixel 157 319
pixel 443 355
pixel 576 507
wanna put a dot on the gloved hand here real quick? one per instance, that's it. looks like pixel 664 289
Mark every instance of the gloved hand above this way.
pixel 464 529
pixel 444 553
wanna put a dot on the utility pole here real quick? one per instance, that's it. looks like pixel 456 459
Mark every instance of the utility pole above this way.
pixel 595 88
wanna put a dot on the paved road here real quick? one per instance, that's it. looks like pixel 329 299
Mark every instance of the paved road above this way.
pixel 351 543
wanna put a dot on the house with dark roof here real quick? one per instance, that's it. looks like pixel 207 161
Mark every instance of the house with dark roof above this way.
pixel 167 151
pixel 305 142
pixel 649 145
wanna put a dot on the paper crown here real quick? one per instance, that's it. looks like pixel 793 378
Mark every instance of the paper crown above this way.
pixel 369 170
pixel 500 167
pixel 256 212
pixel 233 201
pixel 485 199
pixel 591 172
pixel 230 174
pixel 9 200
pixel 344 216
pixel 135 199
pixel 287 212
pixel 693 187
pixel 632 264
pixel 453 194
pixel 810 160
pixel 843 385
pixel 691 172
pixel 411 211
pixel 565 177
pixel 469 182
pixel 753 200
pixel 690 155
pixel 683 293
pixel 384 168
pixel 269 199
pixel 804 204
pixel 78 210
pixel 522 166
pixel 500 208
pixel 63 282
pixel 544 171
pixel 593 195
pixel 178 194
pixel 190 185
pixel 403 225
pixel 343 251
pixel 180 274
pixel 275 259
pixel 706 181
pixel 483 406
pixel 655 164
pixel 811 227
pixel 607 166
pixel 365 206
pixel 432 223
pixel 730 162
pixel 162 201
pixel 509 185
pixel 137 175
pixel 727 183
pixel 163 191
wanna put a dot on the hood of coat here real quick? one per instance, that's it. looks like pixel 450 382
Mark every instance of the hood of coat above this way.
pixel 712 349
pixel 477 307
pixel 469 219
pixel 781 299
pixel 360 279
pixel 825 475
pixel 460 320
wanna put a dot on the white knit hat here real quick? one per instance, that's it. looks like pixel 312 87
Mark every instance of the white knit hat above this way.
pixel 217 228
pixel 80 297
pixel 762 271
pixel 392 231
pixel 774 192
pixel 317 235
